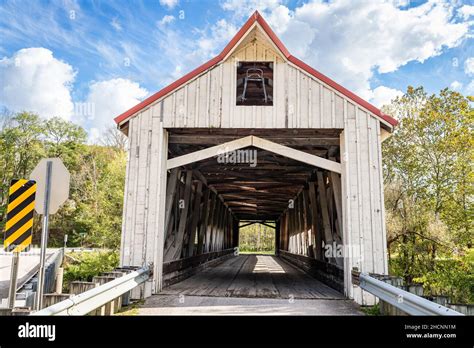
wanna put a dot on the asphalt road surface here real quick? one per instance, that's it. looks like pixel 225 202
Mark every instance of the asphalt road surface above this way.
pixel 28 265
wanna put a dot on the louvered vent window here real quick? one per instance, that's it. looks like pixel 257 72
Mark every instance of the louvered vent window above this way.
pixel 255 83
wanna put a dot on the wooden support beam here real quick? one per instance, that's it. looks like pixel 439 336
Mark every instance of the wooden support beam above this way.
pixel 210 225
pixel 174 249
pixel 204 221
pixel 260 143
pixel 297 155
pixel 329 238
pixel 209 152
pixel 193 139
pixel 249 224
pixel 277 237
pixel 324 209
pixel 317 235
pixel 158 243
pixel 170 196
pixel 235 233
pixel 195 219
pixel 307 229
pixel 335 181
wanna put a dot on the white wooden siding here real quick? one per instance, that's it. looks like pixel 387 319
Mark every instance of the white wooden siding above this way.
pixel 364 222
pixel 209 100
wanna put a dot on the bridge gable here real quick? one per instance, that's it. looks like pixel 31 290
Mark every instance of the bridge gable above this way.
pixel 302 97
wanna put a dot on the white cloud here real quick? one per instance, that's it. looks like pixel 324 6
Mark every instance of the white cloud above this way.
pixel 246 7
pixel 455 85
pixel 469 66
pixel 222 32
pixel 384 95
pixel 169 3
pixel 470 88
pixel 110 98
pixel 279 18
pixel 466 11
pixel 34 80
pixel 95 135
pixel 351 40
pixel 116 24
pixel 166 20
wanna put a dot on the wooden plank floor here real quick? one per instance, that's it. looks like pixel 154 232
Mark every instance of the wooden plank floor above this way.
pixel 253 276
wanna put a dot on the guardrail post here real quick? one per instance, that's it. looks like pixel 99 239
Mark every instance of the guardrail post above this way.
pixel 108 309
pixel 118 301
pixel 59 280
pixel 103 295
pixel 50 299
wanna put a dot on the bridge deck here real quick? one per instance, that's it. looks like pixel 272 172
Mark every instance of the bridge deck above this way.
pixel 253 276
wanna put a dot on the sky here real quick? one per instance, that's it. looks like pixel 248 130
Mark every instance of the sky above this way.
pixel 89 61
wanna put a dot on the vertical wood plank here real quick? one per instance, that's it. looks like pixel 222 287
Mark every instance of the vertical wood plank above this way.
pixel 174 250
pixel 160 207
pixel 318 242
pixel 204 221
pixel 195 218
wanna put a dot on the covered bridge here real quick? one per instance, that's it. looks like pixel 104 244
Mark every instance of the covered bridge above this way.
pixel 255 134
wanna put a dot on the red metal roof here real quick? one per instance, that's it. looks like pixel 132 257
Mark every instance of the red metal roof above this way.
pixel 256 17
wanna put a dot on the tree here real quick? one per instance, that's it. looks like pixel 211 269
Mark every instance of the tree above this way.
pixel 93 211
pixel 112 137
pixel 21 148
pixel 429 180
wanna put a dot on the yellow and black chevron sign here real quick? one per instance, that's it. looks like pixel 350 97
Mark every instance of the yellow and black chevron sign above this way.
pixel 21 204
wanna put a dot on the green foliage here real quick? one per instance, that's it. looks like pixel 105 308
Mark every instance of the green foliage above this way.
pixel 257 238
pixel 453 277
pixel 429 187
pixel 92 215
pixel 371 310
pixel 99 197
pixel 21 147
pixel 89 264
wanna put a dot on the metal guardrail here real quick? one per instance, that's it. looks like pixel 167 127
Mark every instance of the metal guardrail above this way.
pixel 401 299
pixel 90 300
pixel 53 262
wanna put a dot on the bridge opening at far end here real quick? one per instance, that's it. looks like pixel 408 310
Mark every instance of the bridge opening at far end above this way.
pixel 257 237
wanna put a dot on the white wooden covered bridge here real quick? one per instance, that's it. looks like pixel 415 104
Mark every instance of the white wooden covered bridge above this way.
pixel 317 174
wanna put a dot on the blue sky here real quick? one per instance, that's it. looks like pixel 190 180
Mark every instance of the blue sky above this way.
pixel 112 54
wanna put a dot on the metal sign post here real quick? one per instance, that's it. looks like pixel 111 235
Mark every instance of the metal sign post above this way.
pixel 49 198
pixel 13 280
pixel 44 238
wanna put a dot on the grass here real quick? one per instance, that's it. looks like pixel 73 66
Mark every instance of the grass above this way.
pixel 131 309
pixel 371 310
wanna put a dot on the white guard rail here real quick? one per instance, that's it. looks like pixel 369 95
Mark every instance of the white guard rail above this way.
pixel 90 300
pixel 403 300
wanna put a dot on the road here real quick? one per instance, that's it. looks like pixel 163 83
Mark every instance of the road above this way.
pixel 250 285
pixel 28 265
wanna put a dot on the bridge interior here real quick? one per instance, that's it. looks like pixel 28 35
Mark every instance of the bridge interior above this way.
pixel 206 200
pixel 253 276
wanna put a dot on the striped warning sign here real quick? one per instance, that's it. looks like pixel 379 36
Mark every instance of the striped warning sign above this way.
pixel 21 204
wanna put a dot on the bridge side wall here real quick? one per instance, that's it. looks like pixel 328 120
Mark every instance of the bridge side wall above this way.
pixel 163 223
pixel 144 197
pixel 364 231
pixel 359 231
